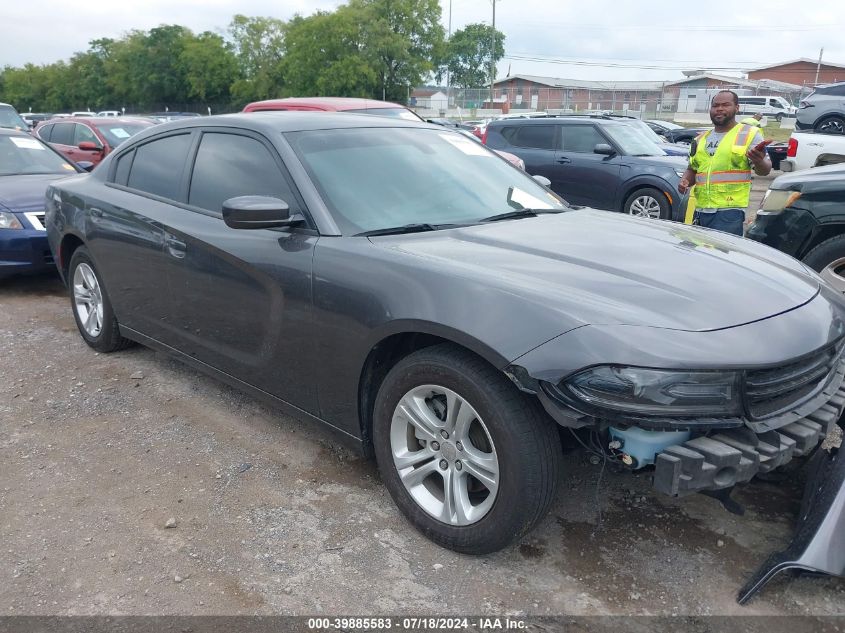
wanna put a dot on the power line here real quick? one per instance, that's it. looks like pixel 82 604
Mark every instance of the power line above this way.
pixel 785 28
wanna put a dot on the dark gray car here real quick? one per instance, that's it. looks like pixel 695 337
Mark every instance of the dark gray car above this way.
pixel 599 163
pixel 439 309
pixel 823 110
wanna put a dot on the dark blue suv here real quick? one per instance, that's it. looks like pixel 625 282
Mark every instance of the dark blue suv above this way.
pixel 598 163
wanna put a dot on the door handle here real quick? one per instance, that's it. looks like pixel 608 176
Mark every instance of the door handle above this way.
pixel 175 247
pixel 563 160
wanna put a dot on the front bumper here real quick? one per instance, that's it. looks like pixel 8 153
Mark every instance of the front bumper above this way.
pixel 735 456
pixel 24 251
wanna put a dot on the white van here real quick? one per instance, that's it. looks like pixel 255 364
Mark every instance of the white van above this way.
pixel 769 105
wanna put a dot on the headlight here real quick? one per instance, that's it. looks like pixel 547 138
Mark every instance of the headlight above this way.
pixel 9 221
pixel 641 391
pixel 777 200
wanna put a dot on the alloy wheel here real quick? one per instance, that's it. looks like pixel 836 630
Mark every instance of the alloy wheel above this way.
pixel 645 207
pixel 88 300
pixel 444 455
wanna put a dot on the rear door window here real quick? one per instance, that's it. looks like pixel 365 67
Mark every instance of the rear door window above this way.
pixel 158 166
pixel 62 133
pixel 531 136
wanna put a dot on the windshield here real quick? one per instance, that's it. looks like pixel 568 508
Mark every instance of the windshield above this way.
pixel 117 133
pixel 11 119
pixel 668 125
pixel 394 113
pixel 21 155
pixel 379 178
pixel 643 127
pixel 632 141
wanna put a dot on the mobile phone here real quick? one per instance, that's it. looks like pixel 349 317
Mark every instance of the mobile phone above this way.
pixel 762 145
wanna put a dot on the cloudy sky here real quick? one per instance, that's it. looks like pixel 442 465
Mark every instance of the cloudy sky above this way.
pixel 609 39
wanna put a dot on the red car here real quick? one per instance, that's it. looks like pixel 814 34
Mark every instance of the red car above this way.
pixel 335 104
pixel 89 139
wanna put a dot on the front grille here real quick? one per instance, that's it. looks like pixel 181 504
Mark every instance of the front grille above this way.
pixel 771 391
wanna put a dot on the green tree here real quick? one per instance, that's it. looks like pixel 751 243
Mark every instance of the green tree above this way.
pixel 468 53
pixel 324 57
pixel 402 38
pixel 210 68
pixel 259 45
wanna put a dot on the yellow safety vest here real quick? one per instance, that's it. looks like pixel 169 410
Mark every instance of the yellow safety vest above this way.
pixel 723 181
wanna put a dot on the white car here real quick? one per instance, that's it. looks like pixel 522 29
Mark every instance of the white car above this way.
pixel 109 113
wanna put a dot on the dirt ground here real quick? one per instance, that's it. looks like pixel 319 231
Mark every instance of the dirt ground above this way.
pixel 99 452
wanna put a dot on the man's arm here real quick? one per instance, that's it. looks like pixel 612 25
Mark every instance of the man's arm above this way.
pixel 687 180
pixel 759 158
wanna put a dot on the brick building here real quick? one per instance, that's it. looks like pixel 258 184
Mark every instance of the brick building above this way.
pixel 801 72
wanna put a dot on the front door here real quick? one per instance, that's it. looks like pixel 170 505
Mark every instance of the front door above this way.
pixel 581 175
pixel 242 297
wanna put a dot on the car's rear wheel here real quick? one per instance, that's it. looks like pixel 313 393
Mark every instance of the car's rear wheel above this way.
pixel 828 259
pixel 831 125
pixel 92 309
pixel 648 203
pixel 467 458
pixel 779 117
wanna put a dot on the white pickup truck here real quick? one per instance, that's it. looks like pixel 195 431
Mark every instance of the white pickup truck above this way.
pixel 811 149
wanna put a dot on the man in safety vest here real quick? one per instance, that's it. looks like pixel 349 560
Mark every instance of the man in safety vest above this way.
pixel 720 166
pixel 755 119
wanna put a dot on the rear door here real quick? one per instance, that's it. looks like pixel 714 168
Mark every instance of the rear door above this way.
pixel 535 144
pixel 581 175
pixel 127 234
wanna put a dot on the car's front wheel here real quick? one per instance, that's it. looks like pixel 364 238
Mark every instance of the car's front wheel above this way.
pixel 828 259
pixel 92 309
pixel 648 203
pixel 467 458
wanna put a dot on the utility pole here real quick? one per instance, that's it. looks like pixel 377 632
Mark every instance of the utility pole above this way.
pixel 819 65
pixel 493 54
pixel 448 79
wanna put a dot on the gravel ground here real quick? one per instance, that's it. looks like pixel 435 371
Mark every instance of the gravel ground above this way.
pixel 134 485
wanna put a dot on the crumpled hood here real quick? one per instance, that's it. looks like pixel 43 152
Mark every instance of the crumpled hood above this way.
pixel 598 267
pixel 25 193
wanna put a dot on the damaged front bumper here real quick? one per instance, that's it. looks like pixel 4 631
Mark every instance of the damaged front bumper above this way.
pixel 733 456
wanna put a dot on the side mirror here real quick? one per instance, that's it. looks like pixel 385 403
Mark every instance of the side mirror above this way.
pixel 88 146
pixel 257 212
pixel 543 180
pixel 604 149
pixel 87 165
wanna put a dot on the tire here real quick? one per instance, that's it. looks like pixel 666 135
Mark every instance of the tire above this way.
pixel 647 202
pixel 778 118
pixel 828 259
pixel 830 125
pixel 90 305
pixel 505 439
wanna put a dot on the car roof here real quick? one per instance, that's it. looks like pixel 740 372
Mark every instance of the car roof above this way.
pixel 269 123
pixel 337 104
pixel 98 120
pixel 550 119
